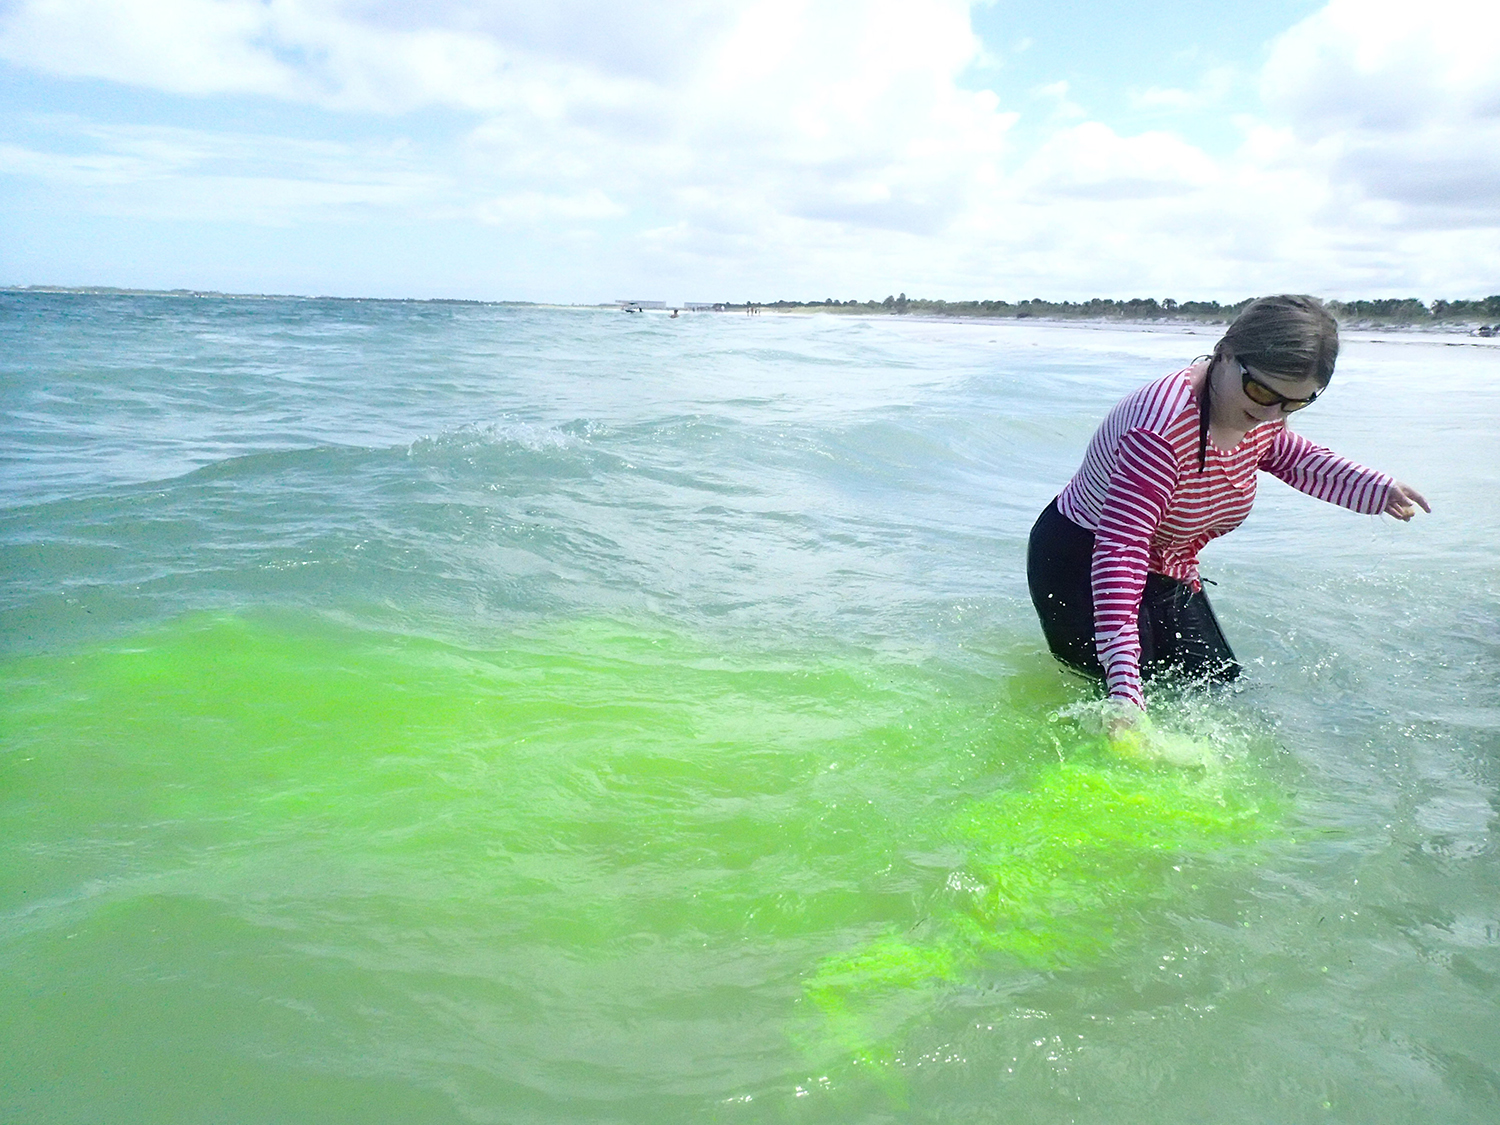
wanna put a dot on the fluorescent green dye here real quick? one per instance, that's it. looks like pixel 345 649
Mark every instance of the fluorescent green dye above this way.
pixel 298 863
pixel 1052 871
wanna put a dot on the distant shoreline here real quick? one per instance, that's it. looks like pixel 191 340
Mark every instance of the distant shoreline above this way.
pixel 1403 315
pixel 1387 314
pixel 1166 324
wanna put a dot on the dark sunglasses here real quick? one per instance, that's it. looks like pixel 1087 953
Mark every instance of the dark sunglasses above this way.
pixel 1262 395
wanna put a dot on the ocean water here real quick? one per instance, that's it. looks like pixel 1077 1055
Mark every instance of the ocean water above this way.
pixel 453 713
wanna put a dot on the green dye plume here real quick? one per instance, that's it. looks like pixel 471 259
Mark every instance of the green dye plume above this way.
pixel 246 833
pixel 1054 869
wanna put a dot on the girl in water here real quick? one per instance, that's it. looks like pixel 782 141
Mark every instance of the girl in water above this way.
pixel 1113 560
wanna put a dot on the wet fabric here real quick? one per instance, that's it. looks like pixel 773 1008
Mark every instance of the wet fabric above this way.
pixel 1179 633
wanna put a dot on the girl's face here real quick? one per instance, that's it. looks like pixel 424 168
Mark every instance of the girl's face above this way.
pixel 1242 411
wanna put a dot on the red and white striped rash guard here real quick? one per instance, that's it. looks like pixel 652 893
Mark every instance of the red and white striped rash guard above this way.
pixel 1141 493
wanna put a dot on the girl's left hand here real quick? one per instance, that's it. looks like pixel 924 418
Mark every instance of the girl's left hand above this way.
pixel 1403 501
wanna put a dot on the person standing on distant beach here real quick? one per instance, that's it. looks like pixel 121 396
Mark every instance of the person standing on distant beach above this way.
pixel 1112 562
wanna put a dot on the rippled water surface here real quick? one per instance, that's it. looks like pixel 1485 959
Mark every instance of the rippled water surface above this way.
pixel 428 712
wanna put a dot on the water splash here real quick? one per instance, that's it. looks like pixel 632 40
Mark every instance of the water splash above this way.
pixel 1056 869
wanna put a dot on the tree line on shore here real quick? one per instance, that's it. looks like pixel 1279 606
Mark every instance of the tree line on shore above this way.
pixel 1403 310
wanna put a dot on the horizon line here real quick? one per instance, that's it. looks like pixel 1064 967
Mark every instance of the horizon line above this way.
pixel 1160 305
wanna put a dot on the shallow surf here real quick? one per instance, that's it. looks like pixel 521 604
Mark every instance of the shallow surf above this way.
pixel 422 712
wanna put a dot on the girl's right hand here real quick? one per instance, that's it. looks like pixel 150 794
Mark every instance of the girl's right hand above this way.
pixel 1124 716
pixel 1403 500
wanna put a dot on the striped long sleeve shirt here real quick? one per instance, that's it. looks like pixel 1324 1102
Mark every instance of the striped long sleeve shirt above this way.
pixel 1140 491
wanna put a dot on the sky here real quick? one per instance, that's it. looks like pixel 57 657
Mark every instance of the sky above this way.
pixel 583 151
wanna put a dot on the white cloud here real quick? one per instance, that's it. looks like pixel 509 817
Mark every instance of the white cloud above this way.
pixel 1212 86
pixel 1385 66
pixel 804 146
pixel 183 46
pixel 81 170
pixel 844 110
pixel 1057 93
pixel 340 54
pixel 531 207
pixel 1397 104
pixel 158 172
pixel 1090 161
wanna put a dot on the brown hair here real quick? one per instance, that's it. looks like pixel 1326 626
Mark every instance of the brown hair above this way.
pixel 1289 334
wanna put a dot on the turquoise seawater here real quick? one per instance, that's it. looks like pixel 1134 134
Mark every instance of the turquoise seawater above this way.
pixel 452 713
